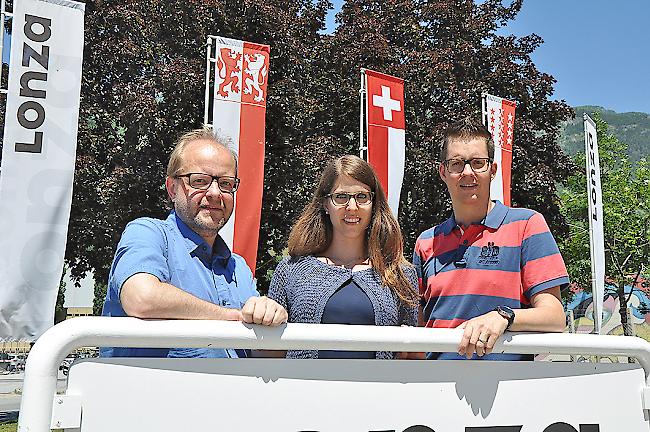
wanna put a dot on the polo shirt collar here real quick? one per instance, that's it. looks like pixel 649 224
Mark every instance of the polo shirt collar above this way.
pixel 193 241
pixel 496 216
pixel 493 219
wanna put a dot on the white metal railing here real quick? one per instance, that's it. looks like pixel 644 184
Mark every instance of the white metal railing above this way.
pixel 52 347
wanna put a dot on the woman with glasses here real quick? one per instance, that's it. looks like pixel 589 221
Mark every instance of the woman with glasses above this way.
pixel 346 262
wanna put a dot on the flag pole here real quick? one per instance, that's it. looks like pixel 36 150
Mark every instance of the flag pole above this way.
pixel 362 97
pixel 208 51
pixel 484 109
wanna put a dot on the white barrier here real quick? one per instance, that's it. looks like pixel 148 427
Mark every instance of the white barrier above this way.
pixel 478 394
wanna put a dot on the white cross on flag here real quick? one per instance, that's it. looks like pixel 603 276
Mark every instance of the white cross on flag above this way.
pixel 239 111
pixel 386 132
pixel 499 117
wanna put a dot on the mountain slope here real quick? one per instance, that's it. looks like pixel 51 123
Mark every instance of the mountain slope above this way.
pixel 633 128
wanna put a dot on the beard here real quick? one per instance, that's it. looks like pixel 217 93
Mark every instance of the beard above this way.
pixel 202 223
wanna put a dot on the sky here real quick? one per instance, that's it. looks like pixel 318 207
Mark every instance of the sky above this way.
pixel 597 50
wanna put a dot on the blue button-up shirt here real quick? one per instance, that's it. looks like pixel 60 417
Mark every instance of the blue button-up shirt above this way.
pixel 171 251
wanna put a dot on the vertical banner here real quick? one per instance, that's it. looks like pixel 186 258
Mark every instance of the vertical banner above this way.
pixel 38 160
pixel 239 110
pixel 386 132
pixel 596 223
pixel 499 117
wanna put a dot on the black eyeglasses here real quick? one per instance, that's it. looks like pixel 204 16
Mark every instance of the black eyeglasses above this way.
pixel 340 199
pixel 457 165
pixel 203 181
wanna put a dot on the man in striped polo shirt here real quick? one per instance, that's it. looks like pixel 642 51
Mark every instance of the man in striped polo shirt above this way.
pixel 488 268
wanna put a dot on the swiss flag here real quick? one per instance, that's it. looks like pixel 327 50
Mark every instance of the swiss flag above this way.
pixel 239 111
pixel 499 117
pixel 386 132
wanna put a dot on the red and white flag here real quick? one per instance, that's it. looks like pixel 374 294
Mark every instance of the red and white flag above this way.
pixel 386 131
pixel 499 117
pixel 239 110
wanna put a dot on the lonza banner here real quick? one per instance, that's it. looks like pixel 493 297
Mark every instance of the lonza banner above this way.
pixel 38 160
pixel 356 396
pixel 596 223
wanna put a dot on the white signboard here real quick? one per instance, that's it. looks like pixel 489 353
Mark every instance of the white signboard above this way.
pixel 38 159
pixel 596 223
pixel 356 396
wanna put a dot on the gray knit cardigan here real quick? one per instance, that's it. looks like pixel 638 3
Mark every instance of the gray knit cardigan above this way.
pixel 303 285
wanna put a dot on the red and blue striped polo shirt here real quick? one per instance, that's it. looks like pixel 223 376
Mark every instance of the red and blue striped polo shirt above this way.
pixel 504 260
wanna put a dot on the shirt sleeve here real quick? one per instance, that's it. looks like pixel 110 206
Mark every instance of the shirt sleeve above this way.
pixel 142 249
pixel 542 266
pixel 420 280
pixel 277 290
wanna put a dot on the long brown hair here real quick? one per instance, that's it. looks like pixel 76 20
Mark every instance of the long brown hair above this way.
pixel 312 233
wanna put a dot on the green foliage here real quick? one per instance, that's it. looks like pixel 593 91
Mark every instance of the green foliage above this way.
pixel 143 85
pixel 626 208
pixel 59 311
pixel 633 128
pixel 449 53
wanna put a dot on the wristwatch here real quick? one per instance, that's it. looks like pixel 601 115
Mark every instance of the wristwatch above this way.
pixel 506 313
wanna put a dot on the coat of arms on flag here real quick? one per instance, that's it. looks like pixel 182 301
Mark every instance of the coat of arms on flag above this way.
pixel 499 117
pixel 384 120
pixel 241 71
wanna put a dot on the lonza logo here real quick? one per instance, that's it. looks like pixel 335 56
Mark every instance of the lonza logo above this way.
pixel 555 427
pixel 37 30
pixel 593 194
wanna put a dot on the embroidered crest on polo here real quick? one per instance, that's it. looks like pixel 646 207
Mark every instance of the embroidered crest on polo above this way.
pixel 489 254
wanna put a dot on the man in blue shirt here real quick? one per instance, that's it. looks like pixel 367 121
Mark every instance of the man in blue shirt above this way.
pixel 180 268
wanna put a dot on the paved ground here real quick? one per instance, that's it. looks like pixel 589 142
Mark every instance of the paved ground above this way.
pixel 11 386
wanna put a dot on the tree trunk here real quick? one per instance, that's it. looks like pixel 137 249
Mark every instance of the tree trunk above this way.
pixel 627 326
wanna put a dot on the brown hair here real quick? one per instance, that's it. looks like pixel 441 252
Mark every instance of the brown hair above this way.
pixel 312 233
pixel 466 129
pixel 204 133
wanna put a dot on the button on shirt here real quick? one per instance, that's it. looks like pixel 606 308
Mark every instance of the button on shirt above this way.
pixel 171 251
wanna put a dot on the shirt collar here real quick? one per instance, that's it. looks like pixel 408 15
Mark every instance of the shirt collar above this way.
pixel 493 219
pixel 194 242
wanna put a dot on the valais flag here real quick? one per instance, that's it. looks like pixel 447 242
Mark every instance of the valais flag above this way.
pixel 386 132
pixel 499 117
pixel 239 110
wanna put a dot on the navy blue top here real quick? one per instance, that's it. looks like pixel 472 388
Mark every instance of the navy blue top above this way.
pixel 171 251
pixel 348 305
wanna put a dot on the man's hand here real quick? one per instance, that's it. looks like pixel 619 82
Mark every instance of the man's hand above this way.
pixel 481 333
pixel 263 310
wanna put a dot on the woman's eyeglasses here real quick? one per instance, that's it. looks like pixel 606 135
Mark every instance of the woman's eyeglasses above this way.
pixel 340 199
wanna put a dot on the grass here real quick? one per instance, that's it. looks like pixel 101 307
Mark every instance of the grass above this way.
pixel 8 427
pixel 13 426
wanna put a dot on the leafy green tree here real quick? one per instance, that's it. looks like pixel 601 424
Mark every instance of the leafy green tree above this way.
pixel 142 86
pixel 626 208
pixel 449 53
